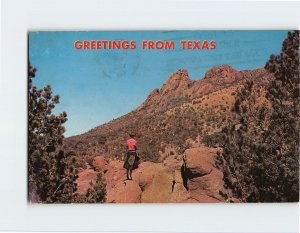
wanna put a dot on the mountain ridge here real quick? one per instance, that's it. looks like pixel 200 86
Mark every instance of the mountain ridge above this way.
pixel 179 113
pixel 179 88
pixel 214 79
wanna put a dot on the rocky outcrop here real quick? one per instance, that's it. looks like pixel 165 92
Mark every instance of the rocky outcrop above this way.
pixel 220 72
pixel 127 191
pixel 188 179
pixel 176 84
pixel 115 174
pixel 100 163
pixel 199 161
pixel 156 183
pixel 84 179
pixel 179 87
pixel 180 192
pixel 204 180
pixel 172 90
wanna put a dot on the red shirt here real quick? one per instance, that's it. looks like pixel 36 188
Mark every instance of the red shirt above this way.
pixel 131 144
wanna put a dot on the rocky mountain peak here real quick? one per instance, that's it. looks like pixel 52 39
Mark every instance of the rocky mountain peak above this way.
pixel 177 81
pixel 175 86
pixel 179 87
pixel 221 71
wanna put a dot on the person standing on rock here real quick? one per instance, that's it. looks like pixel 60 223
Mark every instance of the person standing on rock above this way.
pixel 131 155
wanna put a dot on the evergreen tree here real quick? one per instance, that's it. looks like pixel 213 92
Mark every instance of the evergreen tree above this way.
pixel 261 142
pixel 283 128
pixel 49 171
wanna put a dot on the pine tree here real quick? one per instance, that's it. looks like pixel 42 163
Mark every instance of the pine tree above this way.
pixel 49 169
pixel 283 128
pixel 261 142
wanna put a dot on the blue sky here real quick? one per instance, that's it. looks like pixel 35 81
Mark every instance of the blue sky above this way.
pixel 96 86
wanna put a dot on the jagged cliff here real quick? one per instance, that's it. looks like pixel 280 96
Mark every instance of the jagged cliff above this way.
pixel 179 87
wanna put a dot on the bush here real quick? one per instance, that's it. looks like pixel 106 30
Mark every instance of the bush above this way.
pixel 102 140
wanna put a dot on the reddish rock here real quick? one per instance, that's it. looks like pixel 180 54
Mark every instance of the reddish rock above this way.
pixel 171 163
pixel 136 174
pixel 221 71
pixel 84 179
pixel 124 192
pixel 179 192
pixel 115 164
pixel 211 184
pixel 179 84
pixel 115 173
pixel 159 190
pixel 207 189
pixel 147 174
pixel 204 180
pixel 162 182
pixel 203 198
pixel 100 163
pixel 199 161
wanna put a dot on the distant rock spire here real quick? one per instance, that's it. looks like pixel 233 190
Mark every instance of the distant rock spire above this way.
pixel 220 71
pixel 178 81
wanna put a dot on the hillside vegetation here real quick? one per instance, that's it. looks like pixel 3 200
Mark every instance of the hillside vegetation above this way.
pixel 181 111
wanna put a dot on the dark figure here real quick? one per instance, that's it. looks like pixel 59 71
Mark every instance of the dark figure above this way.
pixel 131 156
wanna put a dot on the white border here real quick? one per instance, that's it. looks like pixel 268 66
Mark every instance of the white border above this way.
pixel 20 16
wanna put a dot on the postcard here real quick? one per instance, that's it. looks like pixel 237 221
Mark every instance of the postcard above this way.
pixel 163 116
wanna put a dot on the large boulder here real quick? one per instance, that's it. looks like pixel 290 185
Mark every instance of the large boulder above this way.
pixel 209 186
pixel 148 173
pixel 136 173
pixel 199 161
pixel 124 192
pixel 115 173
pixel 157 184
pixel 84 179
pixel 162 182
pixel 100 162
pixel 172 163
pixel 204 180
